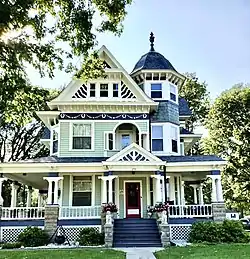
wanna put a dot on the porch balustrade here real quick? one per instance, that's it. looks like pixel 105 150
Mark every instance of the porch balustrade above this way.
pixel 190 211
pixel 80 212
pixel 22 213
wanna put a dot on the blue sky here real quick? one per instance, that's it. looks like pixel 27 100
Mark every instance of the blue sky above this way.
pixel 209 37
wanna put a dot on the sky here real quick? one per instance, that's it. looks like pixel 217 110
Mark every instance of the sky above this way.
pixel 209 37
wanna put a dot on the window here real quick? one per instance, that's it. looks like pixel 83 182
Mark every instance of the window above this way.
pixel 82 190
pixel 156 90
pixel 173 93
pixel 125 140
pixel 55 142
pixel 81 136
pixel 104 90
pixel 92 90
pixel 110 141
pixel 174 137
pixel 115 90
pixel 151 190
pixel 157 138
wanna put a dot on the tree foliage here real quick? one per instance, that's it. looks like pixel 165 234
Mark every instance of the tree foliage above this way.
pixel 31 32
pixel 229 137
pixel 197 96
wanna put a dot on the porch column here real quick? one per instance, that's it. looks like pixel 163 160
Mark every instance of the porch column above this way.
pixel 29 193
pixel 14 188
pixel 50 189
pixel 167 186
pixel 195 186
pixel 56 181
pixel 157 187
pixel 2 179
pixel 201 199
pixel 110 179
pixel 183 202
pixel 219 189
pixel 214 192
pixel 104 188
pixel 39 200
pixel 162 189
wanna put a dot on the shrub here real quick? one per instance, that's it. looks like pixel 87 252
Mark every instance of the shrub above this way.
pixel 33 236
pixel 11 245
pixel 91 236
pixel 229 231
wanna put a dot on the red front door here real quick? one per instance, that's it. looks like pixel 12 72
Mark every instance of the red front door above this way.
pixel 133 200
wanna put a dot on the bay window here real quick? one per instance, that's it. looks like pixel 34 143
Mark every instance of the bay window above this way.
pixel 157 138
pixel 174 139
pixel 172 93
pixel 156 90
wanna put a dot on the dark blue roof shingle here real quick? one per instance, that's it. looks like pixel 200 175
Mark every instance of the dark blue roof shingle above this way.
pixel 201 158
pixel 55 159
pixel 184 109
pixel 153 60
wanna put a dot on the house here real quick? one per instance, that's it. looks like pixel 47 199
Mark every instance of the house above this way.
pixel 114 139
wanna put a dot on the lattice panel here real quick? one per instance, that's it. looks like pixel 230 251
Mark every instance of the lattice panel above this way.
pixel 126 93
pixel 72 232
pixel 179 232
pixel 10 234
pixel 81 92
pixel 134 156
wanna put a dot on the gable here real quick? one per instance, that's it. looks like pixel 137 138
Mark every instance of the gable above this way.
pixel 134 153
pixel 128 90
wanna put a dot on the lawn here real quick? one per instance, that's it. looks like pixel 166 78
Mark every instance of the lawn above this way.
pixel 63 254
pixel 206 252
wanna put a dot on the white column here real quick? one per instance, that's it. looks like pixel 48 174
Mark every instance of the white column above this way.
pixel 39 200
pixel 219 189
pixel 158 192
pixel 110 198
pixel 178 190
pixel 13 195
pixel 214 192
pixel 162 189
pixel 183 193
pixel 171 189
pixel 195 192
pixel 1 188
pixel 50 180
pixel 201 199
pixel 104 190
pixel 167 186
pixel 29 193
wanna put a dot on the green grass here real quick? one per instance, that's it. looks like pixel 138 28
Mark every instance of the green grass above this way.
pixel 62 254
pixel 224 251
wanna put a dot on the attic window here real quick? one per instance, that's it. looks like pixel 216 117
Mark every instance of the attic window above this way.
pixel 92 90
pixel 104 90
pixel 156 90
pixel 115 90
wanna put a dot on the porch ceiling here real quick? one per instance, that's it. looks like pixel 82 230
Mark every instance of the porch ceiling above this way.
pixel 31 179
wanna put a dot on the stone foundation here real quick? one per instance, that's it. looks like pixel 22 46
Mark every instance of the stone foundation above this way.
pixel 51 217
pixel 165 234
pixel 218 212
pixel 108 230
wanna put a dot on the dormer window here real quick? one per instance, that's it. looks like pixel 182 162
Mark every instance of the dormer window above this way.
pixel 92 90
pixel 104 90
pixel 156 91
pixel 172 93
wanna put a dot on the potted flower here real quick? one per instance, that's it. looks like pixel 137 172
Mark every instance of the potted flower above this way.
pixel 150 211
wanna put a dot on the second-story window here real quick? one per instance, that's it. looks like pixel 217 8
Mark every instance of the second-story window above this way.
pixel 173 93
pixel 92 90
pixel 157 138
pixel 81 136
pixel 55 142
pixel 156 90
pixel 174 139
pixel 104 90
pixel 115 90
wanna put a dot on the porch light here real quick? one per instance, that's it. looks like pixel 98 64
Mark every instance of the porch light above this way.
pixel 133 170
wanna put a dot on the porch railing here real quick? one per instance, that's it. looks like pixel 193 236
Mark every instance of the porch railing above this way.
pixel 17 213
pixel 190 211
pixel 80 212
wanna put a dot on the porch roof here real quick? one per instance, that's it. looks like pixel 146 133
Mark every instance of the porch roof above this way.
pixel 201 158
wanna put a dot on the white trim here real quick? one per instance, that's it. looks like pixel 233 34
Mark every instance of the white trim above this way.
pixel 70 189
pixel 117 196
pixel 148 189
pixel 141 199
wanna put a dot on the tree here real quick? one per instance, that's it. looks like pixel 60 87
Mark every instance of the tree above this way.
pixel 229 137
pixel 31 32
pixel 197 96
pixel 21 130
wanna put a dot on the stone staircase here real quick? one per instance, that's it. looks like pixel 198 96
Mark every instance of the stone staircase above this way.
pixel 136 233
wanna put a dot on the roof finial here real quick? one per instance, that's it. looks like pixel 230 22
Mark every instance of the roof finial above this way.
pixel 152 39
